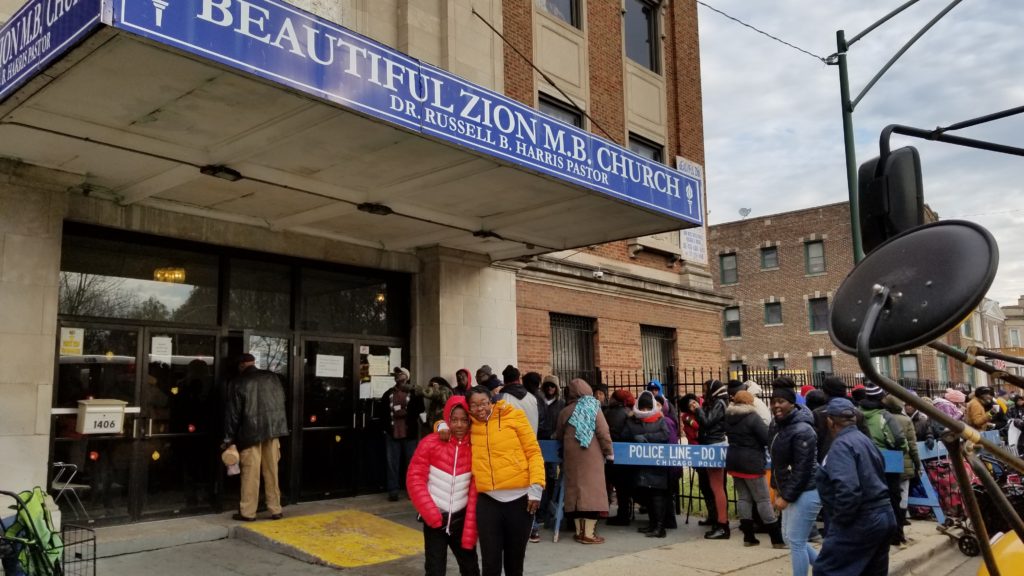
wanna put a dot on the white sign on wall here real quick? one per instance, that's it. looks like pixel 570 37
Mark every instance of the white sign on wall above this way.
pixel 693 241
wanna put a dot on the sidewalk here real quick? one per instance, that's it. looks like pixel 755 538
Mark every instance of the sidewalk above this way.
pixel 214 545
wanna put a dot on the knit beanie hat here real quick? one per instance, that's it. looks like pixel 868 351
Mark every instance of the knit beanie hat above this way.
pixel 873 391
pixel 735 386
pixel 785 392
pixel 955 396
pixel 833 387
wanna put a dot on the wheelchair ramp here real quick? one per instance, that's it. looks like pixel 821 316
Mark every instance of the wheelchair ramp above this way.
pixel 343 539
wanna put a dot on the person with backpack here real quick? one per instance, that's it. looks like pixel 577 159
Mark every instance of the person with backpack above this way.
pixel 887 434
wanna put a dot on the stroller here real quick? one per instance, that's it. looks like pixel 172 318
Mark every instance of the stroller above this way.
pixel 958 525
pixel 29 545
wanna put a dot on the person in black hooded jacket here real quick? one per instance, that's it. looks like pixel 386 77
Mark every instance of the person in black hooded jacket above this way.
pixel 793 448
pixel 711 421
pixel 745 461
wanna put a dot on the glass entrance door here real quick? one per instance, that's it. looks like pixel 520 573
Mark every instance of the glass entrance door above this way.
pixel 330 449
pixel 95 362
pixel 180 423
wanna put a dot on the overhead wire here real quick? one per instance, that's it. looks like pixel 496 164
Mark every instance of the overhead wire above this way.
pixel 822 59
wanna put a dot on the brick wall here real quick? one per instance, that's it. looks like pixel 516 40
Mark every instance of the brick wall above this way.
pixel 617 338
pixel 682 78
pixel 518 30
pixel 604 47
pixel 789 283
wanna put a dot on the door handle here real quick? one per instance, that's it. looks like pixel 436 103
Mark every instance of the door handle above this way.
pixel 353 419
pixel 364 420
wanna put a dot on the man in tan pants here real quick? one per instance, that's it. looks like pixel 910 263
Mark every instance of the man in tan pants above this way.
pixel 254 421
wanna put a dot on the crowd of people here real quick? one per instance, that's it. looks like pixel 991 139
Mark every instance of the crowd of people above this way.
pixel 470 459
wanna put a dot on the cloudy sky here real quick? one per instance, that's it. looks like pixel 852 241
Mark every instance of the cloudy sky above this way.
pixel 773 127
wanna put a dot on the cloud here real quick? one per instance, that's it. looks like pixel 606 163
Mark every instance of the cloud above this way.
pixel 772 121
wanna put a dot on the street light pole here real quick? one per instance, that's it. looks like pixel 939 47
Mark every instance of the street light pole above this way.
pixel 851 151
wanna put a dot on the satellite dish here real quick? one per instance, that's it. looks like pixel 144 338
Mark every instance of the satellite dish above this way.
pixel 744 212
pixel 937 274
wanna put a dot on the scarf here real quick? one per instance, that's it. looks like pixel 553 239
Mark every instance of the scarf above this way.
pixel 584 419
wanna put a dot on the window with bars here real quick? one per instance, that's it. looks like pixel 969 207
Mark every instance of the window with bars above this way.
pixel 817 309
pixel 657 345
pixel 731 322
pixel 777 363
pixel 572 347
pixel 820 364
pixel 814 253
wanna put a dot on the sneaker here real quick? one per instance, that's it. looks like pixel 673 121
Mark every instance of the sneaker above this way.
pixel 238 517
pixel 277 516
pixel 535 535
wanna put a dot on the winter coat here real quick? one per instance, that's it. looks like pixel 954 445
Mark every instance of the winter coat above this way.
pixel 884 431
pixel 585 488
pixel 616 415
pixel 748 438
pixel 762 409
pixel 711 419
pixel 824 435
pixel 852 480
pixel 518 396
pixel 255 409
pixel 456 391
pixel 505 450
pixel 922 427
pixel 793 449
pixel 413 409
pixel 440 479
pixel 549 415
pixel 691 429
pixel 911 460
pixel 978 416
pixel 435 400
pixel 654 432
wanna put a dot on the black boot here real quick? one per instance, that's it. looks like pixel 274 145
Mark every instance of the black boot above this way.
pixel 747 527
pixel 656 532
pixel 721 532
pixel 647 529
pixel 775 533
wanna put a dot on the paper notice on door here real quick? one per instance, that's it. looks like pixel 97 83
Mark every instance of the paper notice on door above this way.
pixel 365 390
pixel 378 365
pixel 161 349
pixel 330 366
pixel 71 341
pixel 380 384
pixel 396 357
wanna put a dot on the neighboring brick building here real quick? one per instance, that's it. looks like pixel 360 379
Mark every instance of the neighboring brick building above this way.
pixel 636 304
pixel 1014 326
pixel 781 272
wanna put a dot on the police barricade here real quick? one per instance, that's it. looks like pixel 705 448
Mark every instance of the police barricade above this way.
pixel 713 456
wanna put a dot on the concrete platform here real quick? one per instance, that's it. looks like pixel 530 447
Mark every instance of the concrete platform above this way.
pixel 217 546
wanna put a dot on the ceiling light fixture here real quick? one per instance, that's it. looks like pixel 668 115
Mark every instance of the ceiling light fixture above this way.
pixel 222 172
pixel 172 275
pixel 375 209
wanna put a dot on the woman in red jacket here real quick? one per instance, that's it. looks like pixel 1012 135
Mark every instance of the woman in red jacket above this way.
pixel 442 489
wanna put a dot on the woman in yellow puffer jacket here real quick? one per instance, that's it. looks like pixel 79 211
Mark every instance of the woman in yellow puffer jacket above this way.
pixel 509 472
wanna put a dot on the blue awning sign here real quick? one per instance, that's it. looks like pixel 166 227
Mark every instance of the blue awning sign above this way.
pixel 284 44
pixel 37 33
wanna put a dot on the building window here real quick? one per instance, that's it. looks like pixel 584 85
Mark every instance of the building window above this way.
pixel 818 312
pixel 567 11
pixel 557 109
pixel 972 378
pixel 736 370
pixel 942 367
pixel 572 347
pixel 814 254
pixel 821 364
pixel 642 33
pixel 995 337
pixel 967 328
pixel 908 367
pixel 776 363
pixel 769 257
pixel 773 313
pixel 1015 337
pixel 646 148
pixel 731 327
pixel 883 364
pixel 657 345
pixel 728 268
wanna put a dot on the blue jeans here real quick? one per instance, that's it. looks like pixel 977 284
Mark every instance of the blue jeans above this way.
pixel 797 520
pixel 399 453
